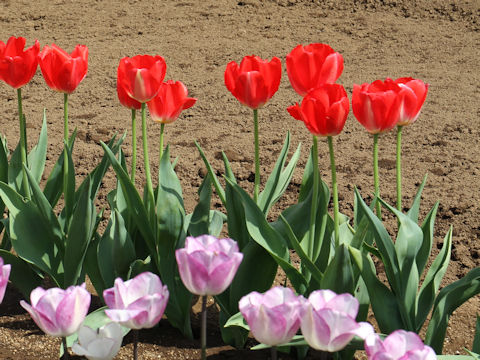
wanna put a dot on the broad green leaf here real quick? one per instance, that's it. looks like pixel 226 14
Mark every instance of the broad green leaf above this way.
pixel 69 192
pixel 426 246
pixel 78 238
pixel 448 299
pixel 279 179
pixel 433 279
pixel 22 275
pixel 476 338
pixel 15 170
pixel 237 320
pixel 217 219
pixel 413 212
pixel 38 155
pixel 29 234
pixel 91 265
pixel 3 170
pixel 216 183
pixel 384 303
pixel 200 219
pixel 236 221
pixel 339 274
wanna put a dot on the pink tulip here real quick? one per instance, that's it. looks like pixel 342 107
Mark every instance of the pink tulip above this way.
pixel 413 93
pixel 207 265
pixel 328 321
pixel 4 275
pixel 138 303
pixel 58 312
pixel 273 317
pixel 399 345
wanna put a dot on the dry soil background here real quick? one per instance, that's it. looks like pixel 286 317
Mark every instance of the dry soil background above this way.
pixel 437 41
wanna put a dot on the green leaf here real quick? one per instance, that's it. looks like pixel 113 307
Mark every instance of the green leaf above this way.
pixel 22 275
pixel 91 265
pixel 237 320
pixel 448 299
pixel 426 246
pixel 15 170
pixel 216 183
pixel 476 338
pixel 339 274
pixel 80 233
pixel 200 220
pixel 29 234
pixel 38 155
pixel 384 303
pixel 267 237
pixel 433 279
pixel 69 192
pixel 413 212
pixel 279 179
pixel 236 221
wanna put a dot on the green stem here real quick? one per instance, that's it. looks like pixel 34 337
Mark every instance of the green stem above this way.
pixel 162 130
pixel 135 344
pixel 273 352
pixel 257 156
pixel 399 167
pixel 145 155
pixel 134 145
pixel 335 191
pixel 375 175
pixel 23 143
pixel 313 212
pixel 203 334
pixel 65 154
pixel 65 349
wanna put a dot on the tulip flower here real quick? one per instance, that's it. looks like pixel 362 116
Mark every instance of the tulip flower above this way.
pixel 140 78
pixel 253 83
pixel 17 67
pixel 101 344
pixel 273 317
pixel 413 93
pixel 324 111
pixel 138 303
pixel 310 66
pixel 167 105
pixel 62 71
pixel 207 266
pixel 399 345
pixel 377 107
pixel 328 321
pixel 59 312
pixel 4 275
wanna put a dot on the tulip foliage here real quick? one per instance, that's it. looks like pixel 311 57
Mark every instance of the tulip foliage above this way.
pixel 152 255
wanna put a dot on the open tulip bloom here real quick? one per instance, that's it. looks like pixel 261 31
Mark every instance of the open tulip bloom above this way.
pixel 101 344
pixel 328 321
pixel 253 83
pixel 138 303
pixel 399 345
pixel 17 68
pixel 207 266
pixel 310 66
pixel 59 312
pixel 273 317
pixel 4 275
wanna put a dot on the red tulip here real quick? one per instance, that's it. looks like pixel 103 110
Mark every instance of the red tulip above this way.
pixel 323 110
pixel 17 66
pixel 62 71
pixel 141 76
pixel 169 102
pixel 254 81
pixel 311 66
pixel 377 105
pixel 123 97
pixel 413 93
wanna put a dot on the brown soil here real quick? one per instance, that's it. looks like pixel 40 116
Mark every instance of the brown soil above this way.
pixel 434 40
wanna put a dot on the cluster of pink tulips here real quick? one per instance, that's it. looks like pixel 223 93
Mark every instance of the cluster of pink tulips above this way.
pixel 208 265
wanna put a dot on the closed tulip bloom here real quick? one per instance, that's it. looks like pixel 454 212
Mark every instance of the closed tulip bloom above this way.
pixel 399 345
pixel 413 93
pixel 273 317
pixel 123 97
pixel 311 66
pixel 207 265
pixel 101 344
pixel 4 275
pixel 171 99
pixel 63 71
pixel 141 76
pixel 17 66
pixel 138 303
pixel 58 312
pixel 254 81
pixel 377 105
pixel 328 321
pixel 323 110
